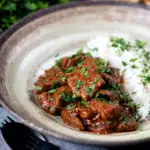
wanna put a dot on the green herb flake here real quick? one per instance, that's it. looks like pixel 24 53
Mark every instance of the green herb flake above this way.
pixel 63 78
pixel 124 63
pixel 51 99
pixel 58 61
pixel 80 51
pixel 67 98
pixel 105 101
pixel 94 49
pixel 125 121
pixel 54 84
pixel 133 93
pixel 88 54
pixel 133 119
pixel 70 69
pixel 95 80
pixel 88 90
pixel 130 104
pixel 134 66
pixel 79 64
pixel 70 107
pixel 38 88
pixel 52 91
pixel 105 69
pixel 99 62
pixel 147 79
pixel 82 70
pixel 133 59
pixel 74 95
pixel 79 83
pixel 119 43
pixel 137 106
pixel 97 95
pixel 147 54
pixel 84 103
pixel 114 85
pixel 86 73
pixel 97 98
pixel 56 67
pixel 140 44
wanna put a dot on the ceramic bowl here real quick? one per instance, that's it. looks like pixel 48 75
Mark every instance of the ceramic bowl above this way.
pixel 30 46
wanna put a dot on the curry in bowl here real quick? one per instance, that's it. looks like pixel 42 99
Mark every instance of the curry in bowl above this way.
pixel 88 92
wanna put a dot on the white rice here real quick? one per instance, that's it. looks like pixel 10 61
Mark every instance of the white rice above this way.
pixel 133 82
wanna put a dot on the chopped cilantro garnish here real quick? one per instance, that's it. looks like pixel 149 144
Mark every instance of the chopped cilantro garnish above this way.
pixel 52 91
pixel 143 55
pixel 79 83
pixel 140 44
pixel 137 106
pixel 133 59
pixel 124 63
pixel 104 100
pixel 134 66
pixel 99 62
pixel 133 93
pixel 130 104
pixel 133 119
pixel 63 78
pixel 101 99
pixel 70 106
pixel 67 98
pixel 86 73
pixel 125 121
pixel 51 99
pixel 105 69
pixel 84 103
pixel 74 95
pixel 70 69
pixel 88 54
pixel 82 70
pixel 119 43
pixel 80 51
pixel 38 88
pixel 114 85
pixel 97 98
pixel 54 84
pixel 94 49
pixel 97 94
pixel 95 80
pixel 115 73
pixel 58 62
pixel 147 79
pixel 56 67
pixel 79 64
pixel 88 90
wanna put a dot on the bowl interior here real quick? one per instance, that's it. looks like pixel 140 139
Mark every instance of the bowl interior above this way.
pixel 34 46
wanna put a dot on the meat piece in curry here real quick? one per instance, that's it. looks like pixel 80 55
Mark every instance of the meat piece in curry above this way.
pixel 88 95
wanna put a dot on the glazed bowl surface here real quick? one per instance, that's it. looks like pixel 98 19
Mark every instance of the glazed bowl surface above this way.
pixel 30 46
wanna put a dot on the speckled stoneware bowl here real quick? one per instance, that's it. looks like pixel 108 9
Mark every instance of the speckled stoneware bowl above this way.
pixel 27 48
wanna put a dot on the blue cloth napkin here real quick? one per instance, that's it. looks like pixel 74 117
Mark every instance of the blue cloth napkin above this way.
pixel 63 145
